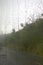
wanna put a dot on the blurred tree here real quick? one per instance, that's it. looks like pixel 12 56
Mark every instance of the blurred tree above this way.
pixel 13 30
pixel 42 14
pixel 26 24
pixel 22 25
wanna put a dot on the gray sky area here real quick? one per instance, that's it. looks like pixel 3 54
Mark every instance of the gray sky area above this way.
pixel 9 11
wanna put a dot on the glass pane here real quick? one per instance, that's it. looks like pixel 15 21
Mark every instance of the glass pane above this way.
pixel 21 32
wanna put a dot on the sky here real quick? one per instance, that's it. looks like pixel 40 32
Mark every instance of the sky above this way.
pixel 13 10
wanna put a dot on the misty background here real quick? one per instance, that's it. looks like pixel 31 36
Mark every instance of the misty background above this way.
pixel 11 9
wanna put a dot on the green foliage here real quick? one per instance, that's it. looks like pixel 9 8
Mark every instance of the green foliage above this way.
pixel 30 38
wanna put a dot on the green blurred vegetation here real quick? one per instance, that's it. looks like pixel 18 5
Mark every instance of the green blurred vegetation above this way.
pixel 29 39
